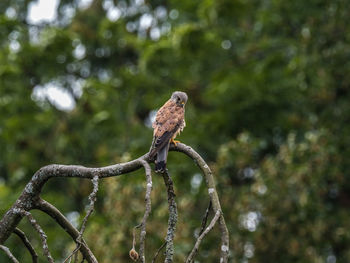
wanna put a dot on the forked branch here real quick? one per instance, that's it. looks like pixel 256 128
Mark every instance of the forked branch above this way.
pixel 200 238
pixel 30 199
pixel 214 198
pixel 56 215
pixel 41 233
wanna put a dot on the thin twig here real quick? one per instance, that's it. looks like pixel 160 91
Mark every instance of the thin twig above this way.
pixel 169 250
pixel 134 236
pixel 133 253
pixel 92 198
pixel 30 198
pixel 209 180
pixel 9 254
pixel 141 255
pixel 200 238
pixel 27 243
pixel 55 214
pixel 205 219
pixel 76 255
pixel 156 254
pixel 73 252
pixel 147 210
pixel 41 233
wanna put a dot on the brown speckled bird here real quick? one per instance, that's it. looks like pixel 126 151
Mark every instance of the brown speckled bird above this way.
pixel 169 122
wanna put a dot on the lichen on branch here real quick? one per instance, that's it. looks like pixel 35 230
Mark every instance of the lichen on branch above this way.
pixel 30 199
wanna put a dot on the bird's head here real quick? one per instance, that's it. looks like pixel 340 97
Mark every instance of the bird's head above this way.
pixel 180 98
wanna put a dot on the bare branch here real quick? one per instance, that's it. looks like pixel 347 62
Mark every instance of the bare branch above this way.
pixel 9 254
pixel 42 235
pixel 30 199
pixel 67 226
pixel 209 179
pixel 92 198
pixel 205 219
pixel 169 250
pixel 27 243
pixel 147 209
pixel 141 255
pixel 157 253
pixel 200 238
pixel 31 192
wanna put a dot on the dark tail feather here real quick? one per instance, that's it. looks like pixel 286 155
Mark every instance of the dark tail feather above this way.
pixel 160 167
pixel 162 156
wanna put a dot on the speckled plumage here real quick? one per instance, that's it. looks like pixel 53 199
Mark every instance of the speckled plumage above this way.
pixel 169 122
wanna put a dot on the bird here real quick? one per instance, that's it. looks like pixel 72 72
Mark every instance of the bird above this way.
pixel 169 122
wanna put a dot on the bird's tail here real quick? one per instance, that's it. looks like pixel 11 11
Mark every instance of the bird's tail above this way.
pixel 160 162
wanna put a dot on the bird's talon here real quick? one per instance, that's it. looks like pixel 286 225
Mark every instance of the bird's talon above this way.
pixel 174 142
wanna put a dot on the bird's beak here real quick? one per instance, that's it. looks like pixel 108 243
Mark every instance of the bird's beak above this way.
pixel 183 103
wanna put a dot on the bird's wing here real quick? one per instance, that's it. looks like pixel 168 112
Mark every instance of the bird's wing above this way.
pixel 168 120
pixel 162 141
pixel 163 115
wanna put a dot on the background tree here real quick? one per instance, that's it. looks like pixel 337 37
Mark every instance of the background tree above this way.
pixel 268 88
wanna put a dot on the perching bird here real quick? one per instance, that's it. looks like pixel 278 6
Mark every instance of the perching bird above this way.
pixel 169 122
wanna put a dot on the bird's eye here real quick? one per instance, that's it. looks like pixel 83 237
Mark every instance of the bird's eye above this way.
pixel 178 99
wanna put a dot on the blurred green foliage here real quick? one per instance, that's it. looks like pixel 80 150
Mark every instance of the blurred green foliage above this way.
pixel 268 84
